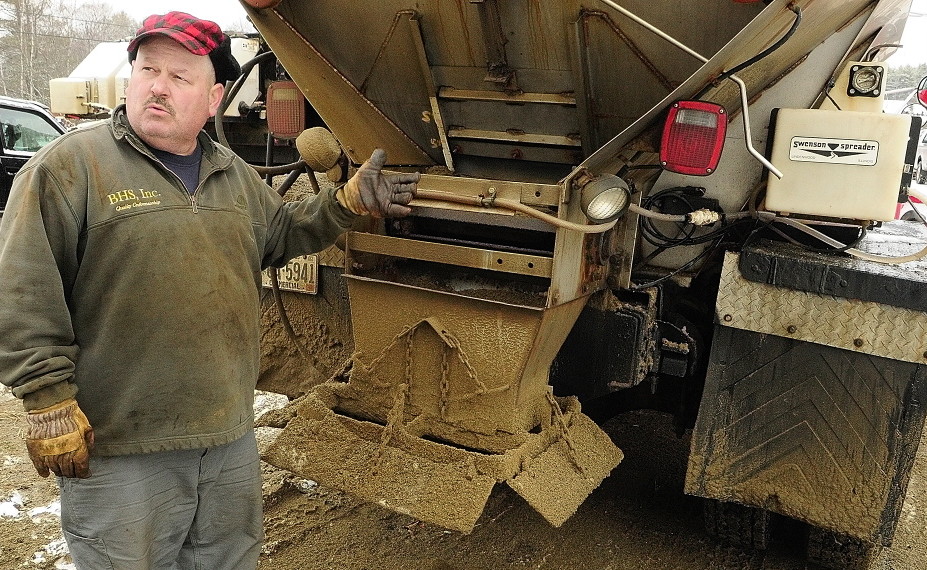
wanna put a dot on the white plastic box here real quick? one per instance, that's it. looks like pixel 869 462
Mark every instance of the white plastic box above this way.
pixel 839 164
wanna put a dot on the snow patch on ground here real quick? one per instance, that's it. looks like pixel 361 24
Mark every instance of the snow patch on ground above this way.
pixel 266 401
pixel 11 507
pixel 56 550
pixel 53 509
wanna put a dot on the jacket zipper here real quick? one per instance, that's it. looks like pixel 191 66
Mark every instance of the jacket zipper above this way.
pixel 190 195
pixel 197 190
pixel 182 185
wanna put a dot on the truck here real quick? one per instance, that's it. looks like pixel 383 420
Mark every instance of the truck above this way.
pixel 624 204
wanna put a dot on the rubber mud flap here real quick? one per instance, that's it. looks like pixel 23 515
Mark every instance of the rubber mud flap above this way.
pixel 559 479
pixel 440 483
pixel 812 432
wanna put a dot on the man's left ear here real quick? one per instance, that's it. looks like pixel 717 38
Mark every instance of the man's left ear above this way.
pixel 215 98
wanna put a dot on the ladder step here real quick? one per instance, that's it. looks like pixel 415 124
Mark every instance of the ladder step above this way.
pixel 513 137
pixel 451 93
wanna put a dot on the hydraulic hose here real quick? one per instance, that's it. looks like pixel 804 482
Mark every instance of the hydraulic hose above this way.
pixel 641 211
pixel 284 317
pixel 698 217
pixel 891 260
pixel 479 201
pixel 291 179
pixel 695 218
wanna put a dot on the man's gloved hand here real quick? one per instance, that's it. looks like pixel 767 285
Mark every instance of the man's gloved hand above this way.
pixel 369 191
pixel 59 438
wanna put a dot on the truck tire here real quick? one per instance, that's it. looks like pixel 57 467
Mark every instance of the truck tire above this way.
pixel 736 524
pixel 831 550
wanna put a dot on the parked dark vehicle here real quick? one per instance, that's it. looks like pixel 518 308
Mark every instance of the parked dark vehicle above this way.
pixel 25 127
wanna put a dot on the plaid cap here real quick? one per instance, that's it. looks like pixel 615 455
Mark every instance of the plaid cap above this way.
pixel 199 37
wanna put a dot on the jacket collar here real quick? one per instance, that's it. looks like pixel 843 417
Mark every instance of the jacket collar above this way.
pixel 219 156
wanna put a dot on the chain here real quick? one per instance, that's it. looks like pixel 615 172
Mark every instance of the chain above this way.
pixel 409 355
pixel 462 357
pixel 392 343
pixel 445 381
pixel 450 342
pixel 393 425
pixel 471 373
pixel 571 448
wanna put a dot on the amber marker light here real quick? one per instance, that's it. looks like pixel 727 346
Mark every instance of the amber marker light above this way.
pixel 286 114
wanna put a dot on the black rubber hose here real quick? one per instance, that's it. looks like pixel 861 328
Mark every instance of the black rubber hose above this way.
pixel 227 100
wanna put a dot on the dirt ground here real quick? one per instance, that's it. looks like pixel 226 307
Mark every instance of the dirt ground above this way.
pixel 638 519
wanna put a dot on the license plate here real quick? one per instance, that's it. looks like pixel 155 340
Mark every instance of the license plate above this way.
pixel 298 275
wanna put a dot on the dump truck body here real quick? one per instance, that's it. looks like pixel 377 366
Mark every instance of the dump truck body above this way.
pixel 469 343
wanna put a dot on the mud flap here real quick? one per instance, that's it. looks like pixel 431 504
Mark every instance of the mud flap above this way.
pixel 440 483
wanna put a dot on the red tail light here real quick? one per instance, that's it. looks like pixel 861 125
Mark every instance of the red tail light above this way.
pixel 693 138
pixel 286 111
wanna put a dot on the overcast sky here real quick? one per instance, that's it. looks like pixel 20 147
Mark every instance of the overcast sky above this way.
pixel 914 39
pixel 226 13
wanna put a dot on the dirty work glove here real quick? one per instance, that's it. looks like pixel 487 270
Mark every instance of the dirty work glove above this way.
pixel 369 191
pixel 59 438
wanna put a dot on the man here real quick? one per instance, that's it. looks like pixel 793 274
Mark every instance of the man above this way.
pixel 130 256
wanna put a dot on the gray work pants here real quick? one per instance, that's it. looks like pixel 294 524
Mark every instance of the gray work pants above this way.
pixel 197 509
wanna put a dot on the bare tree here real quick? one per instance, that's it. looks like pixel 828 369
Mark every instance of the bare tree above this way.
pixel 44 39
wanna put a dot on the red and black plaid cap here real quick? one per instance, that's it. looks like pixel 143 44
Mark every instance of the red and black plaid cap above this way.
pixel 199 37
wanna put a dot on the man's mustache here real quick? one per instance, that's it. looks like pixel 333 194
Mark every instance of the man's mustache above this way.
pixel 161 102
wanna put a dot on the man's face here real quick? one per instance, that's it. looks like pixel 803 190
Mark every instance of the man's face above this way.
pixel 171 94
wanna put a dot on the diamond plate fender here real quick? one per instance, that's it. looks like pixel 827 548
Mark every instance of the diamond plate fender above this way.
pixel 860 326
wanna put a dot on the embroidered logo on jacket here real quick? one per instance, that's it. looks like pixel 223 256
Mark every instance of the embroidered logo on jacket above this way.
pixel 129 199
